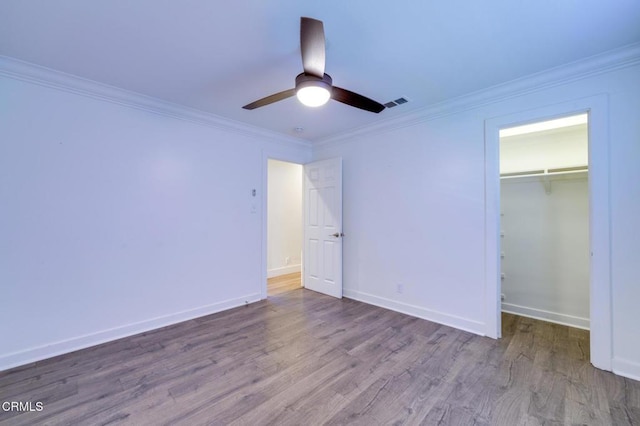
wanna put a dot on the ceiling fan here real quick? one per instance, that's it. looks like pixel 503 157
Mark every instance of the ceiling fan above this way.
pixel 313 86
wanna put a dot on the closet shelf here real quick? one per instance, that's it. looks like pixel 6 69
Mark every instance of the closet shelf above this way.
pixel 545 172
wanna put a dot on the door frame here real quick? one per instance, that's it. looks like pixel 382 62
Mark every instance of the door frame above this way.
pixel 600 299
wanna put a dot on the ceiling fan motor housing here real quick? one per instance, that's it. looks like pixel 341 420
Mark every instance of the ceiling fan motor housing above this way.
pixel 306 80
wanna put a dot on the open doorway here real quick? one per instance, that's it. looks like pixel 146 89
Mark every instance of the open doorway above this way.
pixel 284 226
pixel 544 220
pixel 600 311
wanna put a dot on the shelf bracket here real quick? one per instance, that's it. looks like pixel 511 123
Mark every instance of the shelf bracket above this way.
pixel 546 182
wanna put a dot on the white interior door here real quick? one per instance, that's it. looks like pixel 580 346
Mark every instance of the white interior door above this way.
pixel 322 268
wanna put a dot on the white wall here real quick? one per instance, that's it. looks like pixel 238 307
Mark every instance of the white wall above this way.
pixel 566 147
pixel 413 204
pixel 115 219
pixel 284 213
pixel 414 208
pixel 546 248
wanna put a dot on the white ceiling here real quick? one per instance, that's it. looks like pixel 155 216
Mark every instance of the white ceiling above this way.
pixel 217 56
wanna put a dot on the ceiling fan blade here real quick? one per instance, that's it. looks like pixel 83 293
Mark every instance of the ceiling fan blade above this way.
pixel 355 100
pixel 312 46
pixel 271 99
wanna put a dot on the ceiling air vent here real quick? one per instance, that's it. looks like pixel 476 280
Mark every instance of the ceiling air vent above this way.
pixel 397 102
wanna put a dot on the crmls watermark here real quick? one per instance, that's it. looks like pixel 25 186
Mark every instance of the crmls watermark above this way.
pixel 22 406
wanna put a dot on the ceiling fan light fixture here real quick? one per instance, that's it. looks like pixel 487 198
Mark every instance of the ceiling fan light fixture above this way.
pixel 313 91
pixel 313 96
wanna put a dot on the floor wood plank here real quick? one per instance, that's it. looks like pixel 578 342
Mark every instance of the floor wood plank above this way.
pixel 283 283
pixel 300 357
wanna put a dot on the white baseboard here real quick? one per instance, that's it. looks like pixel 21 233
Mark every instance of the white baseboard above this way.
pixel 554 317
pixel 465 324
pixel 626 368
pixel 289 269
pixel 28 356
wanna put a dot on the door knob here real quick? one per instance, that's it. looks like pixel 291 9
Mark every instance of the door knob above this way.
pixel 337 235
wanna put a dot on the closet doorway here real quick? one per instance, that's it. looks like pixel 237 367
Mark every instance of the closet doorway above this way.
pixel 600 307
pixel 544 220
pixel 284 226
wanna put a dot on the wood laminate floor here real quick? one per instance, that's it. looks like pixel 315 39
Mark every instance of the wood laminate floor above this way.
pixel 301 358
pixel 283 283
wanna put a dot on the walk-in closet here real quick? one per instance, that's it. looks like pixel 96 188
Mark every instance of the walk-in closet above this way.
pixel 544 220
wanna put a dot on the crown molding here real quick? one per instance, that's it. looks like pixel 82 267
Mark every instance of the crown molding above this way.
pixel 612 60
pixel 599 64
pixel 36 74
